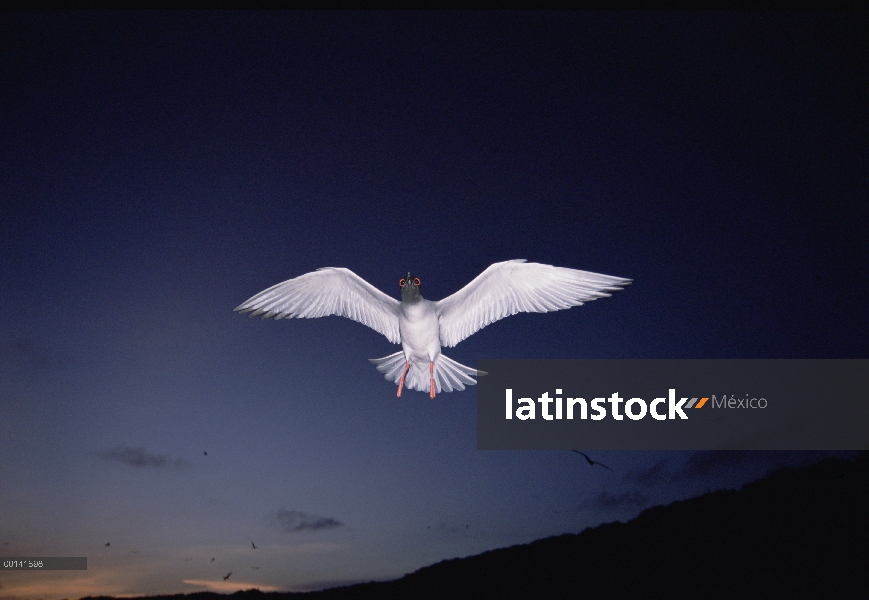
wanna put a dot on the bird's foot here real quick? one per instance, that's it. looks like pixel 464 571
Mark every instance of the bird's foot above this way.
pixel 401 381
pixel 431 393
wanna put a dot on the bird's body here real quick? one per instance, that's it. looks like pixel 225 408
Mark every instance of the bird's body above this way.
pixel 418 327
pixel 423 327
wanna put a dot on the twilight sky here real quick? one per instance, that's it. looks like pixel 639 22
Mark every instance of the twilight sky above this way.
pixel 157 169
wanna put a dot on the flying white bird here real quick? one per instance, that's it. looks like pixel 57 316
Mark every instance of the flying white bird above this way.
pixel 421 326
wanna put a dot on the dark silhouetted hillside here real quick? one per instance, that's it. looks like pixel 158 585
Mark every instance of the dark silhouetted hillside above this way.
pixel 798 533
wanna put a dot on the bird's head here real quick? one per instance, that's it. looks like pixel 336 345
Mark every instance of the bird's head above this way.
pixel 410 289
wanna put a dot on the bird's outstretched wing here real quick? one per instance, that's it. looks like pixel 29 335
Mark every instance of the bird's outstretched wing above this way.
pixel 515 286
pixel 328 291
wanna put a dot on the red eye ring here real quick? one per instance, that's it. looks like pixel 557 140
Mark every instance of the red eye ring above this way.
pixel 401 282
pixel 416 281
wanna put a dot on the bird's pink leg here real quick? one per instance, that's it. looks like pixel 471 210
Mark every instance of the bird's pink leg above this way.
pixel 401 381
pixel 431 372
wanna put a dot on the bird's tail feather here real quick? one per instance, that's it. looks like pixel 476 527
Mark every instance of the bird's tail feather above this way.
pixel 448 374
pixel 391 366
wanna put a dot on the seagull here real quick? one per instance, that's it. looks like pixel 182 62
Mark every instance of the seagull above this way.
pixel 227 576
pixel 423 327
pixel 254 545
pixel 592 462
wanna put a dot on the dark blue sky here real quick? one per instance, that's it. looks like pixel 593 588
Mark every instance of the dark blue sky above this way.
pixel 157 169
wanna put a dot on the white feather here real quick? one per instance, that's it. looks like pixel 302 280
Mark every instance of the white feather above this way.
pixel 515 286
pixel 448 374
pixel 328 291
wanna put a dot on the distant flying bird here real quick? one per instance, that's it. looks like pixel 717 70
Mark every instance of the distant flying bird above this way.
pixel 592 462
pixel 108 544
pixel 205 453
pixel 254 545
pixel 212 559
pixel 227 576
pixel 421 326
